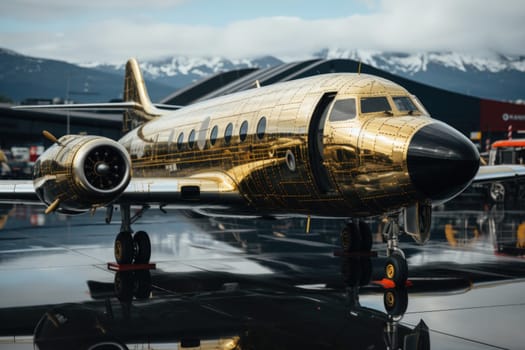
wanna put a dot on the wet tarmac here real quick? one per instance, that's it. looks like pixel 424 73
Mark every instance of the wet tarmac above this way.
pixel 259 284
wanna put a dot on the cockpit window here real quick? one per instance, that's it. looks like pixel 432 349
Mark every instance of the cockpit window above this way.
pixel 404 104
pixel 375 104
pixel 343 110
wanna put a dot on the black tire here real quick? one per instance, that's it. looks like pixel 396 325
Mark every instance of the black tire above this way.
pixel 356 271
pixel 142 288
pixel 366 236
pixel 142 247
pixel 396 269
pixel 350 238
pixel 351 271
pixel 123 248
pixel 395 301
pixel 123 285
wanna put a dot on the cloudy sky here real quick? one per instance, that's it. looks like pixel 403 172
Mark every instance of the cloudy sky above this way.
pixel 113 30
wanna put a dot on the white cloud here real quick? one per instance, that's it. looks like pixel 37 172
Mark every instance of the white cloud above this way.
pixel 396 25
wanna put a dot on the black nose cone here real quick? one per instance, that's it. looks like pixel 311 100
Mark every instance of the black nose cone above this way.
pixel 441 161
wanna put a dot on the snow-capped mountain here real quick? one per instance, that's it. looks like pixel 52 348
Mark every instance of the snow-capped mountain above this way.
pixel 497 77
pixel 413 63
pixel 180 71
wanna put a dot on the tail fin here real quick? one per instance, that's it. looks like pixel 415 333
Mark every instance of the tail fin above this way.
pixel 135 91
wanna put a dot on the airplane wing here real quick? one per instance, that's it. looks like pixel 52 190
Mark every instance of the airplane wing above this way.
pixel 207 188
pixel 18 192
pixel 491 173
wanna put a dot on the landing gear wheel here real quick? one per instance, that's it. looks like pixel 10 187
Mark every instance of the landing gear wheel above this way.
pixel 123 248
pixel 396 269
pixel 123 285
pixel 142 247
pixel 395 301
pixel 351 271
pixel 366 236
pixel 350 238
pixel 142 287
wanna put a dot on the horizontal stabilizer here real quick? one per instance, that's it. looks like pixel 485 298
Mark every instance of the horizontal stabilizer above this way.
pixel 96 106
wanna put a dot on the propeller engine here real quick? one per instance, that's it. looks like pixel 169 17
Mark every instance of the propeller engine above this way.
pixel 79 173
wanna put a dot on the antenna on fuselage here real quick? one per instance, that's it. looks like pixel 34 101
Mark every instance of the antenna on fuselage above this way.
pixel 257 83
pixel 359 68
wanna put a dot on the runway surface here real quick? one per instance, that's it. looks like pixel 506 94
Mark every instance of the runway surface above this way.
pixel 259 284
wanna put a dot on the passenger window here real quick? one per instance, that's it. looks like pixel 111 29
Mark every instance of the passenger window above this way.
pixel 191 139
pixel 343 110
pixel 261 128
pixel 243 132
pixel 213 135
pixel 375 104
pixel 180 141
pixel 404 104
pixel 228 133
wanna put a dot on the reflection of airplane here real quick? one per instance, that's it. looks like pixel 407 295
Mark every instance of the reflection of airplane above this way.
pixel 336 145
pixel 229 321
pixel 211 310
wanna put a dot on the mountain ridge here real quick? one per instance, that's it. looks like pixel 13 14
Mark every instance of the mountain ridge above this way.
pixel 498 77
pixel 188 69
pixel 23 77
pixel 411 63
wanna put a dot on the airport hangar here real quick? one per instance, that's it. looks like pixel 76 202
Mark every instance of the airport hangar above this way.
pixel 466 113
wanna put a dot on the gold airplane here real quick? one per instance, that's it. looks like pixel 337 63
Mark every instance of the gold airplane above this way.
pixel 333 145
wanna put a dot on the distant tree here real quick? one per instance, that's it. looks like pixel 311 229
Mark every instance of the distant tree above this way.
pixel 5 99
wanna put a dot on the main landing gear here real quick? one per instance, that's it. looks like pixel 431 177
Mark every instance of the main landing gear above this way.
pixel 131 248
pixel 356 237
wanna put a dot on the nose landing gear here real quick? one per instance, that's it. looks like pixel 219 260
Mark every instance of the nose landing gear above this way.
pixel 356 237
pixel 396 268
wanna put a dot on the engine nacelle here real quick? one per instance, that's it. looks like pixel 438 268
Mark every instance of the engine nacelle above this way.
pixel 82 172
